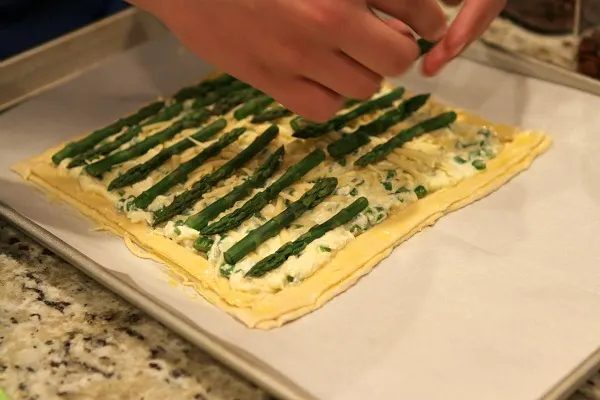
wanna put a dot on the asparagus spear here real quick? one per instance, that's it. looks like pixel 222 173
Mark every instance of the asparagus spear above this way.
pixel 271 114
pixel 296 247
pixel 406 135
pixel 165 114
pixel 188 198
pixel 315 130
pixel 74 148
pixel 309 200
pixel 226 104
pixel 219 93
pixel 257 180
pixel 203 88
pixel 106 148
pixel 347 144
pixel 425 46
pixel 260 200
pixel 180 174
pixel 141 171
pixel 253 107
pixel 203 244
pixel 194 119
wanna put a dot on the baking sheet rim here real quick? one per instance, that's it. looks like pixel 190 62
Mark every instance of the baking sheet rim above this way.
pixel 284 390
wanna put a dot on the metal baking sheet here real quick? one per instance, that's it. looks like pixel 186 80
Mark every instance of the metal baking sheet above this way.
pixel 41 68
pixel 496 301
pixel 496 57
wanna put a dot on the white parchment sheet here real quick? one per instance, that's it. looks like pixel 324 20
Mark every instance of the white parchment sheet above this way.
pixel 497 301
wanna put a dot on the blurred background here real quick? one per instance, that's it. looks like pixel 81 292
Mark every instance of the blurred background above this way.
pixel 25 24
pixel 549 35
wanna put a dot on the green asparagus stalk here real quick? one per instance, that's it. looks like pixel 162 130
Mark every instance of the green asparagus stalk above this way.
pixel 296 247
pixel 188 198
pixel 347 144
pixel 351 103
pixel 425 46
pixel 406 135
pixel 257 180
pixel 260 200
pixel 194 119
pixel 203 244
pixel 105 148
pixel 226 104
pixel 272 114
pixel 253 107
pixel 203 88
pixel 141 171
pixel 220 93
pixel 181 173
pixel 309 200
pixel 314 130
pixel 89 142
pixel 165 114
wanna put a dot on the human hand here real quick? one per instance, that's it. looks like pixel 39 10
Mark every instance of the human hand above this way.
pixel 308 54
pixel 470 23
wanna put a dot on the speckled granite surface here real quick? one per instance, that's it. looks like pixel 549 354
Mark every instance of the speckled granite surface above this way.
pixel 63 336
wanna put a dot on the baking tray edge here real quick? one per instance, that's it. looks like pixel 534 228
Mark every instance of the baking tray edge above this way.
pixel 283 390
pixel 491 55
pixel 277 387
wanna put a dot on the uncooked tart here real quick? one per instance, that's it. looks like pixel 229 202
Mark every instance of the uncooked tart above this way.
pixel 267 215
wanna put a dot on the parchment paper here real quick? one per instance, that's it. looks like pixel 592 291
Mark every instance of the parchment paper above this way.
pixel 497 301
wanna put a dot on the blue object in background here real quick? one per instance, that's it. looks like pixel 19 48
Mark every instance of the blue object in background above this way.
pixel 25 24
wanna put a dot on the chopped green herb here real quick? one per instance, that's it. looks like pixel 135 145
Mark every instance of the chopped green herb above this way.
pixel 387 185
pixel 179 222
pixel 226 270
pixel 290 278
pixel 390 174
pixel 485 132
pixel 177 230
pixel 297 226
pixel 459 160
pixel 479 165
pixel 341 161
pixel 474 153
pixel 325 249
pixel 121 192
pixel 420 191
pixel 379 208
pixel 355 229
pixel 460 145
pixel 368 211
pixel 354 192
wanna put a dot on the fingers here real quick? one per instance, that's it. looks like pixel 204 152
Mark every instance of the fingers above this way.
pixel 306 98
pixel 377 46
pixel 472 20
pixel 425 17
pixel 452 2
pixel 343 75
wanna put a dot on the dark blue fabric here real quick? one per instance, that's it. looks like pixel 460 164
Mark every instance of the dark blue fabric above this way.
pixel 27 23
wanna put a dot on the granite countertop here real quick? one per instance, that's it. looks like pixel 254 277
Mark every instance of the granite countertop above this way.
pixel 63 336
